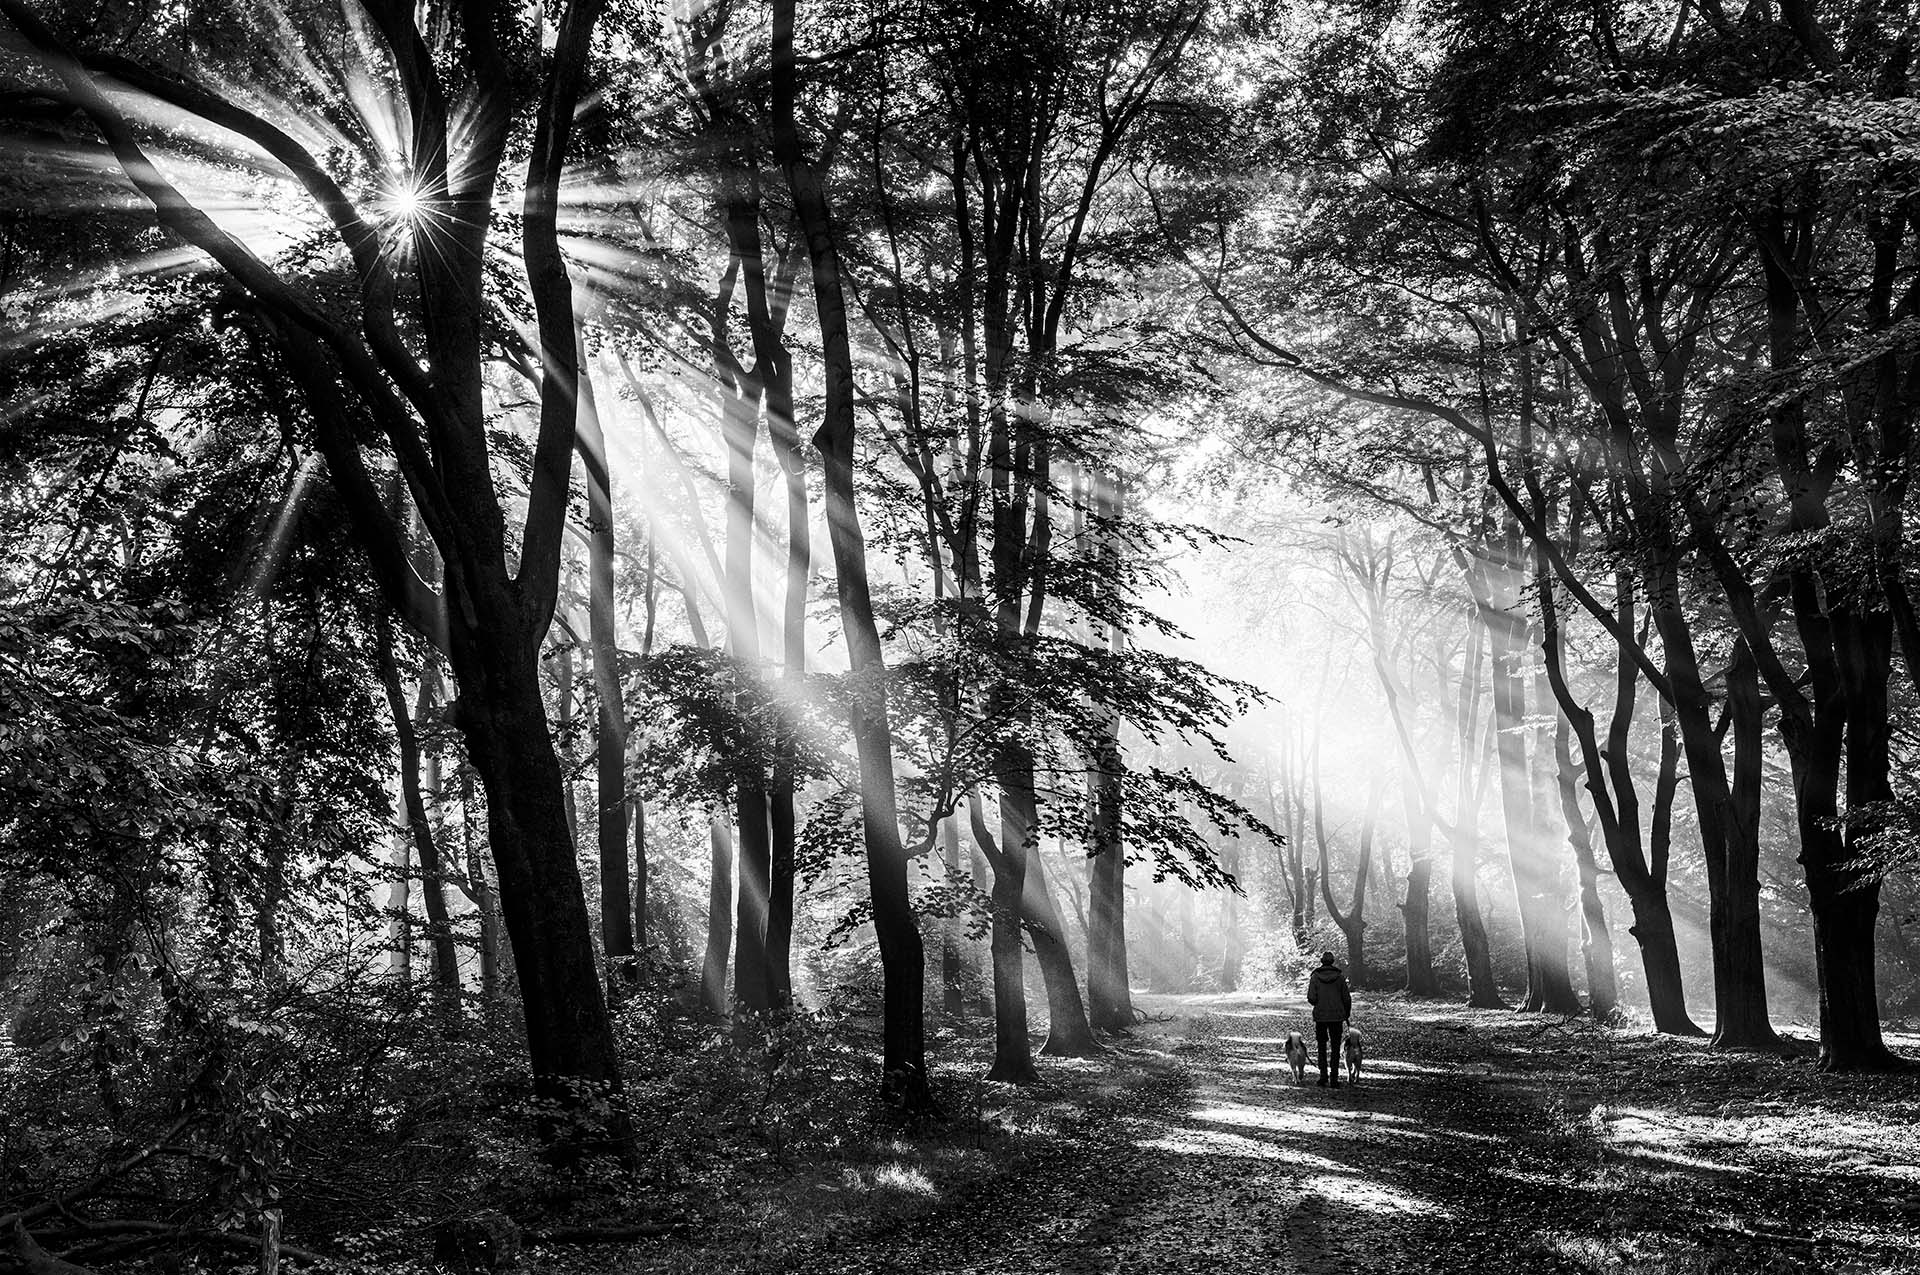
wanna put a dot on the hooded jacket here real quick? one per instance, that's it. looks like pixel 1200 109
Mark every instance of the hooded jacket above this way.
pixel 1329 995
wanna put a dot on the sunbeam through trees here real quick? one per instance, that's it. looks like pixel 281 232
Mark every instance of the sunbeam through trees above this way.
pixel 774 636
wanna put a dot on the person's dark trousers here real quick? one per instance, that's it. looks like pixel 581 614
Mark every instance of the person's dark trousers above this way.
pixel 1328 1035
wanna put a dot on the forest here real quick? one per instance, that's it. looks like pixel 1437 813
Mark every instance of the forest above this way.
pixel 745 635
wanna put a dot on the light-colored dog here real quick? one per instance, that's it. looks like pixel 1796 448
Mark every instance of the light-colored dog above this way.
pixel 1356 1050
pixel 1297 1057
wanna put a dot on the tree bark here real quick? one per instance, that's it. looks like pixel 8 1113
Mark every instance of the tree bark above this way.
pixel 641 874
pixel 902 955
pixel 952 954
pixel 399 897
pixel 444 964
pixel 485 898
pixel 1069 1034
pixel 751 985
pixel 1012 1050
pixel 540 899
pixel 1596 943
pixel 1110 999
pixel 610 735
pixel 1740 1020
pixel 713 967
pixel 1548 987
pixel 1846 635
pixel 1483 990
pixel 1421 980
pixel 1610 782
pixel 782 820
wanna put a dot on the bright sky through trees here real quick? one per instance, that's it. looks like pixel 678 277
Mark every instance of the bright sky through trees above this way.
pixel 636 593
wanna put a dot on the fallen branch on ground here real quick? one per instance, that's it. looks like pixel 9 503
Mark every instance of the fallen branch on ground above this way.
pixel 59 1203
pixel 113 1229
pixel 29 1258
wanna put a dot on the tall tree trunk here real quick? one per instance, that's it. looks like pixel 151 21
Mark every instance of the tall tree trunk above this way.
pixel 1596 944
pixel 564 680
pixel 444 964
pixel 1555 905
pixel 486 899
pixel 541 901
pixel 1421 980
pixel 751 988
pixel 1596 941
pixel 1300 874
pixel 1848 902
pixel 1652 916
pixel 641 883
pixel 782 820
pixel 641 874
pixel 952 954
pixel 610 736
pixel 713 967
pixel 1483 989
pixel 270 890
pixel 1548 986
pixel 1846 639
pixel 1743 991
pixel 902 955
pixel 1233 947
pixel 1616 802
pixel 399 898
pixel 1110 999
pixel 1740 1019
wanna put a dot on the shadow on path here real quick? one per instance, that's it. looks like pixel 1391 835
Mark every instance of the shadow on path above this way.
pixel 1475 1143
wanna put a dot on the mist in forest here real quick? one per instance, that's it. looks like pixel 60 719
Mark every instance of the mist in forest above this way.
pixel 767 634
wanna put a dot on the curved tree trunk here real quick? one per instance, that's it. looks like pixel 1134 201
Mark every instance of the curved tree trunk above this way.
pixel 1353 921
pixel 902 954
pixel 361 379
pixel 540 897
pixel 1741 1021
pixel 1012 1050
pixel 1596 943
pixel 1069 1035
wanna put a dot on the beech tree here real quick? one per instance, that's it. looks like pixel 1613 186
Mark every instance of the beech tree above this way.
pixel 413 238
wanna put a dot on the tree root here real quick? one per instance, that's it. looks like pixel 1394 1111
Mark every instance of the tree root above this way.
pixel 24 1255
pixel 121 1235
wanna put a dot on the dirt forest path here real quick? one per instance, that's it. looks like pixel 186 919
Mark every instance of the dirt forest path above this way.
pixel 1481 1142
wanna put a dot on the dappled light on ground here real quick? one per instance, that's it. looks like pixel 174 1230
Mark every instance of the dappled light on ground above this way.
pixel 1370 1197
pixel 1497 1144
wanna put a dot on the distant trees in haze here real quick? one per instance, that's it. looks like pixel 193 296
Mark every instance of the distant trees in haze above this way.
pixel 390 508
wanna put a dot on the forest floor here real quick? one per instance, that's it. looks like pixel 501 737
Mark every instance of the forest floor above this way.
pixel 1478 1141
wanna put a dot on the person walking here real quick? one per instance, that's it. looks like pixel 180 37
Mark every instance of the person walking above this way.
pixel 1332 1002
